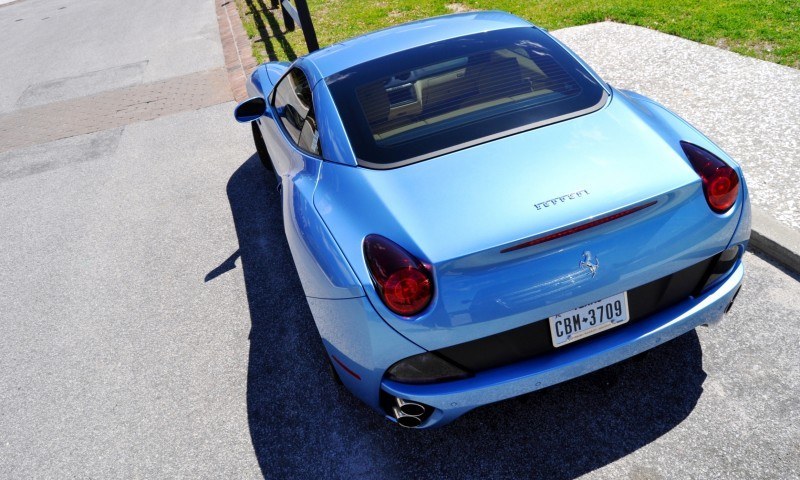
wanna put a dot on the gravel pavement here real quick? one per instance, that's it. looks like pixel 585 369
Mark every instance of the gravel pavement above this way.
pixel 749 107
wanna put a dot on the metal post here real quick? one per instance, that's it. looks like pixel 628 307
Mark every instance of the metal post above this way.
pixel 305 24
pixel 288 21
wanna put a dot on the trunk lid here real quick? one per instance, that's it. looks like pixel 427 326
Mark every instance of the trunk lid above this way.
pixel 458 213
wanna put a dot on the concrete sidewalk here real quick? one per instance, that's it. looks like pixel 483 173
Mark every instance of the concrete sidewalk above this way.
pixel 749 107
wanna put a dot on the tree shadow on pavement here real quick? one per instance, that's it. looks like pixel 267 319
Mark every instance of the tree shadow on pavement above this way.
pixel 304 425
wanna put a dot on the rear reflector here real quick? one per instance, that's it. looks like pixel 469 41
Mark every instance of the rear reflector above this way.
pixel 425 368
pixel 579 228
pixel 345 368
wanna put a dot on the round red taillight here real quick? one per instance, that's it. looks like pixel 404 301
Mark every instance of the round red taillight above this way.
pixel 722 189
pixel 720 181
pixel 402 281
pixel 407 291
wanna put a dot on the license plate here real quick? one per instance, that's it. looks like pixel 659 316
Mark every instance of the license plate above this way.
pixel 589 319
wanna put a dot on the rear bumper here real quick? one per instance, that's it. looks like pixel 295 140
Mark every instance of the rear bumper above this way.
pixel 453 399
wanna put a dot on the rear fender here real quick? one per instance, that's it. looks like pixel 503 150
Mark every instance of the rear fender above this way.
pixel 320 264
pixel 360 345
pixel 673 127
pixel 676 129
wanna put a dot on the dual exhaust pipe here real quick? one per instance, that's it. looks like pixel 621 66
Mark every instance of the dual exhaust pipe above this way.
pixel 409 414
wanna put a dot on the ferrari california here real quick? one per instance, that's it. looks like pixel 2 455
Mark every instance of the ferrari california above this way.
pixel 475 214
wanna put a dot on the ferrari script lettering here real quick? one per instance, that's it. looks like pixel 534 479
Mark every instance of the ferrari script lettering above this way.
pixel 561 199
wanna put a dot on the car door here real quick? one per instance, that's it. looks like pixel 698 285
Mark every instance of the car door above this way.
pixel 293 130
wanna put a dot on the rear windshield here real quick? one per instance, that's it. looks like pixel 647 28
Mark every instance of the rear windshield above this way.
pixel 430 100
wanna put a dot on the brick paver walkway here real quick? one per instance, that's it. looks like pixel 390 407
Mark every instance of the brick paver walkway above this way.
pixel 112 109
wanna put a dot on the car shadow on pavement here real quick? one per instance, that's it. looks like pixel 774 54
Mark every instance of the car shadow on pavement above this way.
pixel 302 424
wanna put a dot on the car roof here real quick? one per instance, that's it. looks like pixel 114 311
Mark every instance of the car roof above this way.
pixel 381 43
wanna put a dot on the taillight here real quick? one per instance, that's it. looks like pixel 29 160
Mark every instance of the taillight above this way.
pixel 402 281
pixel 720 181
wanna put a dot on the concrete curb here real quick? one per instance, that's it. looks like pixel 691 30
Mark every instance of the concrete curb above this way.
pixel 776 240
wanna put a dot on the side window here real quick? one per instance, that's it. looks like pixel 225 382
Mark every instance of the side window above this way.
pixel 294 103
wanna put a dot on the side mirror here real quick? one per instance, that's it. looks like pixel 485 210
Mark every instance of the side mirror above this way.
pixel 250 110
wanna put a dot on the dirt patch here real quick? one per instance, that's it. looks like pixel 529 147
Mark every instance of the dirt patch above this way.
pixel 761 50
pixel 458 8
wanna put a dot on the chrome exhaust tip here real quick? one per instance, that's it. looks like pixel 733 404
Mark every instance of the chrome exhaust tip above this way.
pixel 412 409
pixel 406 413
pixel 405 420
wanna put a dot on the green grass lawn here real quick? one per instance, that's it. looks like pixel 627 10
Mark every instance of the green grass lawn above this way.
pixel 769 30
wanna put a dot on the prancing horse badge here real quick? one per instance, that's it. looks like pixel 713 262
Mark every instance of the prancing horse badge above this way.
pixel 591 262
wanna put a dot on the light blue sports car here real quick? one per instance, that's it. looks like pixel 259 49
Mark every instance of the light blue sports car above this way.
pixel 475 214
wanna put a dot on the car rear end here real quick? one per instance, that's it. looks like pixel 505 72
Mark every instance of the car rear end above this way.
pixel 498 282
pixel 520 255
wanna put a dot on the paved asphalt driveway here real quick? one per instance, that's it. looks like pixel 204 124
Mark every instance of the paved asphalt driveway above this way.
pixel 154 327
pixel 153 324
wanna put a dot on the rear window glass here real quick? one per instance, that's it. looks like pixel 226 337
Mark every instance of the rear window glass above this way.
pixel 449 95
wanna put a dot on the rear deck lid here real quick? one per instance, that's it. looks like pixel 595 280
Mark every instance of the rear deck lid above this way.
pixel 463 213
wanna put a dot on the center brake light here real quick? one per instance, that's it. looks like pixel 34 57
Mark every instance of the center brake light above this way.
pixel 402 281
pixel 576 229
pixel 720 181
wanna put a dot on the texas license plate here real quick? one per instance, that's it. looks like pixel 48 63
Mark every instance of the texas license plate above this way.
pixel 589 319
